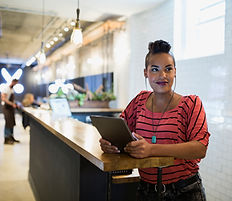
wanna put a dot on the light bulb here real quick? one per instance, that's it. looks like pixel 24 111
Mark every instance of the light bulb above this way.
pixel 42 57
pixel 76 37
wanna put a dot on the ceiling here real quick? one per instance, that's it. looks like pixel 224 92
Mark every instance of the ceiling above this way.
pixel 22 22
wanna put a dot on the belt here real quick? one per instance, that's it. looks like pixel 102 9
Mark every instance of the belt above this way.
pixel 177 185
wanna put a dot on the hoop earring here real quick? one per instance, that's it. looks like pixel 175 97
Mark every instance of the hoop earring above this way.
pixel 146 82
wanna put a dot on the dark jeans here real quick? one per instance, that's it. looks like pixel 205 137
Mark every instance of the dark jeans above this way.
pixel 190 189
pixel 25 120
pixel 8 132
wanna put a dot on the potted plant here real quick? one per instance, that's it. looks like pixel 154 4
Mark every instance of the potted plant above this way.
pixel 100 100
pixel 85 98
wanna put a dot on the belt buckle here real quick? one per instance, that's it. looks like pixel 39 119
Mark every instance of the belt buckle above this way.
pixel 164 188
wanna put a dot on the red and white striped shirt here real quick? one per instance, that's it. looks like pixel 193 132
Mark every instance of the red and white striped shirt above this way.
pixel 184 123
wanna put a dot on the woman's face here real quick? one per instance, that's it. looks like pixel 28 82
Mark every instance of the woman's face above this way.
pixel 160 72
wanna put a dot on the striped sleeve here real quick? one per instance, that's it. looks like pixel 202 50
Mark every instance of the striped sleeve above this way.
pixel 129 115
pixel 132 110
pixel 197 124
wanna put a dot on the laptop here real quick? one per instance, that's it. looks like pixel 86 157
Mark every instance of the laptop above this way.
pixel 114 130
pixel 60 107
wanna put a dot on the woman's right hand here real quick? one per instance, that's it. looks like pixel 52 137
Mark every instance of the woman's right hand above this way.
pixel 107 147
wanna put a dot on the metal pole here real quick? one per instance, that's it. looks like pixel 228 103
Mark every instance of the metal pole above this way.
pixel 159 183
pixel 109 186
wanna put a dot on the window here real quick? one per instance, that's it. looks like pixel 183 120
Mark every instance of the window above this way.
pixel 199 28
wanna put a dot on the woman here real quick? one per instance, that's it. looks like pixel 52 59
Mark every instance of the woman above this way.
pixel 166 124
pixel 28 101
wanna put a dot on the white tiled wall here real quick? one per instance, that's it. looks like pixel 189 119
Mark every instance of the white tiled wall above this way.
pixel 210 78
pixel 147 27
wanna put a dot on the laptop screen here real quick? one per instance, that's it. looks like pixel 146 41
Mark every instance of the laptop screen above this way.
pixel 60 107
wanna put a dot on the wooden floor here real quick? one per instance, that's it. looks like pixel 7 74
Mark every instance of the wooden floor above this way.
pixel 14 165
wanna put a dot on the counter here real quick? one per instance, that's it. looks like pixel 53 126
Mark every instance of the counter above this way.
pixel 83 114
pixel 66 162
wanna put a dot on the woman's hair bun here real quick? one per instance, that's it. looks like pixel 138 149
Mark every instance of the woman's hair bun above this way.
pixel 159 46
pixel 156 47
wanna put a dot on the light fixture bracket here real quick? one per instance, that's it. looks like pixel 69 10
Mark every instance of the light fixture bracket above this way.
pixel 78 13
pixel 78 24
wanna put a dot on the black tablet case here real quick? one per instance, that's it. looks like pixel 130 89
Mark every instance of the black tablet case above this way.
pixel 113 129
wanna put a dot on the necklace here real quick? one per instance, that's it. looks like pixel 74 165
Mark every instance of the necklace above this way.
pixel 153 140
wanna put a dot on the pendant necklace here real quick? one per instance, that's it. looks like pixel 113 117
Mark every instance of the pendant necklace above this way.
pixel 153 140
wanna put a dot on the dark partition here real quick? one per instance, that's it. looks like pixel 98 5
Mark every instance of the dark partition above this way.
pixel 59 173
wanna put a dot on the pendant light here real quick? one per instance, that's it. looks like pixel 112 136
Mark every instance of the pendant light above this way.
pixel 76 37
pixel 42 56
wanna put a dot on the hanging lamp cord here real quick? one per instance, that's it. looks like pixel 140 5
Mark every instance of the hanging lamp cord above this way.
pixel 78 10
pixel 78 15
pixel 42 24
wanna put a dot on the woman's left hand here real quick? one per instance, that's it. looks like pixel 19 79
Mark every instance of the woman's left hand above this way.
pixel 138 149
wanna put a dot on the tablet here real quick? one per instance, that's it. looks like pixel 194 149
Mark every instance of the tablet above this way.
pixel 114 130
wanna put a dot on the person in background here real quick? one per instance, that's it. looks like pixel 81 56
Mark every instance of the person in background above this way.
pixel 166 124
pixel 8 108
pixel 28 101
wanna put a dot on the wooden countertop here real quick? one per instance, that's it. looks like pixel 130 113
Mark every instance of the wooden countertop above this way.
pixel 89 110
pixel 84 139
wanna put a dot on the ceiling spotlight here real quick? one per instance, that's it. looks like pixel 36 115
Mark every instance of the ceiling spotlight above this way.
pixel 55 39
pixel 66 29
pixel 72 23
pixel 48 45
pixel 30 61
pixel 52 42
